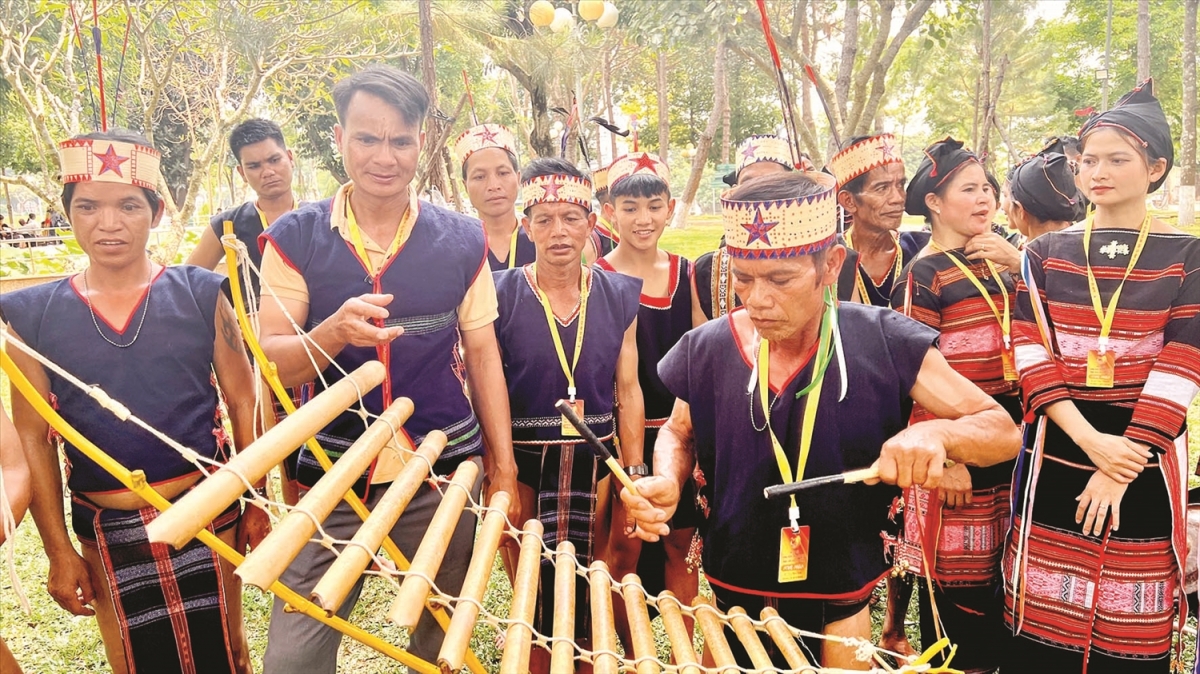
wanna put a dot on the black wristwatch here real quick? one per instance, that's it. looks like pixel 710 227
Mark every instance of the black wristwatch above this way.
pixel 639 470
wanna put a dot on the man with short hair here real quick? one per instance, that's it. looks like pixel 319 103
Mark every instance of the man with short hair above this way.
pixel 488 153
pixel 375 274
pixel 151 337
pixel 568 332
pixel 870 177
pixel 830 385
pixel 266 164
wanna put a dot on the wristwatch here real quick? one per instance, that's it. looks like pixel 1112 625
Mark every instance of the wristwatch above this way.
pixel 638 470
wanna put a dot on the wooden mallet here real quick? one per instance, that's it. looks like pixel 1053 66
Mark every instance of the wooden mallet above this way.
pixel 598 447
pixel 779 491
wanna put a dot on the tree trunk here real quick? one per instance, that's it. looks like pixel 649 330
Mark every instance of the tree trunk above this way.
pixel 1143 41
pixel 1187 159
pixel 664 110
pixel 807 49
pixel 726 129
pixel 434 175
pixel 706 138
pixel 983 126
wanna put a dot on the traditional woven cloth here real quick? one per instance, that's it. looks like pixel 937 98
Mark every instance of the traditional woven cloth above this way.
pixel 556 189
pixel 864 156
pixel 170 604
pixel 482 137
pixel 782 228
pixel 110 161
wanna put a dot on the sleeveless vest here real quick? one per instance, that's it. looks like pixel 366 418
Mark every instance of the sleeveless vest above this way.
pixel 165 377
pixel 884 352
pixel 428 276
pixel 247 225
pixel 526 253
pixel 531 367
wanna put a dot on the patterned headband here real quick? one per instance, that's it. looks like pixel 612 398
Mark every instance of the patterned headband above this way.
pixel 782 228
pixel 864 156
pixel 557 189
pixel 482 137
pixel 635 164
pixel 764 148
pixel 109 161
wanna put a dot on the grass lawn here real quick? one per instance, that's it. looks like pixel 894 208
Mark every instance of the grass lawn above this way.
pixel 51 640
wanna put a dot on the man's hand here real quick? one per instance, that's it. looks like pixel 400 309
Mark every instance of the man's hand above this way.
pixel 1120 458
pixel 70 583
pixel 252 528
pixel 1101 494
pixel 651 507
pixel 956 486
pixel 507 483
pixel 912 456
pixel 353 321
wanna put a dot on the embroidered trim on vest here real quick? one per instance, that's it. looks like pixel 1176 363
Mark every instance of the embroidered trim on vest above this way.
pixel 423 325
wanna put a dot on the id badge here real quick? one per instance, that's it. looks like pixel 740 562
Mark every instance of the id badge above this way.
pixel 1100 368
pixel 793 554
pixel 1010 367
pixel 568 429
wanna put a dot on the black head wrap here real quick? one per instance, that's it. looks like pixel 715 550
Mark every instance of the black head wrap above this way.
pixel 941 160
pixel 1140 115
pixel 1044 185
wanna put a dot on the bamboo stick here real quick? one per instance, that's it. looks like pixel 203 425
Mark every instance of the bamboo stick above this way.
pixel 562 651
pixel 604 631
pixel 483 557
pixel 335 585
pixel 744 629
pixel 714 636
pixel 271 558
pixel 639 625
pixel 410 601
pixel 182 521
pixel 783 638
pixel 518 637
pixel 678 633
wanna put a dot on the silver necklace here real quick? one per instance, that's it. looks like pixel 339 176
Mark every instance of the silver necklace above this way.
pixel 87 298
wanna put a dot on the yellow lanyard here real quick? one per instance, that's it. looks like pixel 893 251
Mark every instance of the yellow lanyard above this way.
pixel 813 391
pixel 357 240
pixel 896 268
pixel 568 370
pixel 1004 319
pixel 512 248
pixel 262 217
pixel 1106 315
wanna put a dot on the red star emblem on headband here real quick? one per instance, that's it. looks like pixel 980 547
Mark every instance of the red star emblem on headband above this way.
pixel 887 150
pixel 758 229
pixel 750 152
pixel 646 162
pixel 487 135
pixel 551 190
pixel 111 161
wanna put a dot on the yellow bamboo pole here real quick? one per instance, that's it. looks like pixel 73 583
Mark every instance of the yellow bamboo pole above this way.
pixel 271 374
pixel 135 481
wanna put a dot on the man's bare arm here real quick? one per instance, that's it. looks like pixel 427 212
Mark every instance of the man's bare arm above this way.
pixel 631 406
pixel 489 397
pixel 14 469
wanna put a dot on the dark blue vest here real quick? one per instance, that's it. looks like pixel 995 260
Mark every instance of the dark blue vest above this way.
pixel 165 377
pixel 247 225
pixel 526 253
pixel 884 352
pixel 531 367
pixel 429 277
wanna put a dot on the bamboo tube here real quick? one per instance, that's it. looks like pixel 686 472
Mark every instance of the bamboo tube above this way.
pixel 677 632
pixel 783 638
pixel 744 629
pixel 181 522
pixel 639 625
pixel 458 635
pixel 562 651
pixel 271 558
pixel 517 638
pixel 337 582
pixel 410 601
pixel 604 631
pixel 714 636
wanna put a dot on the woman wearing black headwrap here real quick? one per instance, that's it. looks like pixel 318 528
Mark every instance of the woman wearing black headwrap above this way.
pixel 1108 346
pixel 959 540
pixel 1041 195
